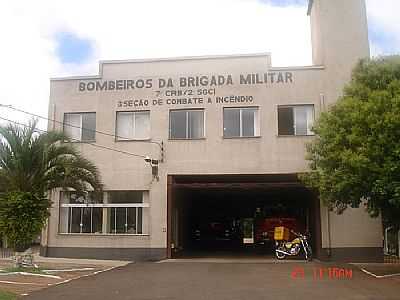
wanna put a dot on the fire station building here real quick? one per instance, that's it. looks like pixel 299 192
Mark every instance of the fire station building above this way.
pixel 199 156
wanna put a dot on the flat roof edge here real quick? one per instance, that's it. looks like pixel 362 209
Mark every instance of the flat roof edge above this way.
pixel 75 77
pixel 99 76
pixel 166 59
pixel 178 58
pixel 293 68
pixel 297 68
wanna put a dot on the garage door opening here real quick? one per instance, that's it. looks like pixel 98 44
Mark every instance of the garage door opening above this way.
pixel 227 215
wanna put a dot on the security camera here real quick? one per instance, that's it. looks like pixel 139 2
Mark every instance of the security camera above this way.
pixel 147 159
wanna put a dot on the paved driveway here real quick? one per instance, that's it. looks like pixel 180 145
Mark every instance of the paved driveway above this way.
pixel 224 280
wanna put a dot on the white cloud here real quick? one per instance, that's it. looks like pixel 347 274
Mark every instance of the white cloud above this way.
pixel 139 29
pixel 383 16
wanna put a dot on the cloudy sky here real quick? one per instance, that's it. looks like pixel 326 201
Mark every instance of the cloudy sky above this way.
pixel 43 39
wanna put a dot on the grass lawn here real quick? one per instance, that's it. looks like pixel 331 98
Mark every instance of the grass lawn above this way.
pixel 7 296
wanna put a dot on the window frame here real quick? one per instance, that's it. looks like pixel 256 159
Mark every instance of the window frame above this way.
pixel 187 124
pixel 113 231
pixel 73 140
pixel 116 136
pixel 104 206
pixel 70 214
pixel 257 122
pixel 293 106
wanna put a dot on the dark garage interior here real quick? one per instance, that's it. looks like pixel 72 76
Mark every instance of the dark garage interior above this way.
pixel 235 215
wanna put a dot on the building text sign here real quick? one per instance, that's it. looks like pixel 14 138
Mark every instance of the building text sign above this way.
pixel 186 90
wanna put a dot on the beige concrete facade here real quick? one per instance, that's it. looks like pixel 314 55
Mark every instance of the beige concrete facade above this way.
pixel 339 35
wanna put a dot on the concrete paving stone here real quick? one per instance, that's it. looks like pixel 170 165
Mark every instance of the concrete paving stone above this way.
pixel 222 281
pixel 381 269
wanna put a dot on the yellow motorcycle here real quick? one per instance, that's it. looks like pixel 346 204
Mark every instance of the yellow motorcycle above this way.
pixel 293 248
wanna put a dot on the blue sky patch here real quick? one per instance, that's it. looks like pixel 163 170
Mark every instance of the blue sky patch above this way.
pixel 72 49
pixel 381 38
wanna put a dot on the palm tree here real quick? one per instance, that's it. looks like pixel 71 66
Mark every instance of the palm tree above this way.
pixel 40 162
pixel 31 165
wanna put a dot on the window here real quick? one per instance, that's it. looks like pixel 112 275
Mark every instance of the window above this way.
pixel 80 126
pixel 295 120
pixel 79 213
pixel 133 125
pixel 117 212
pixel 241 122
pixel 186 124
pixel 127 215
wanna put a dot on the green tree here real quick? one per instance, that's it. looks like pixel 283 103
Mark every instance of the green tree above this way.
pixel 22 217
pixel 355 158
pixel 31 164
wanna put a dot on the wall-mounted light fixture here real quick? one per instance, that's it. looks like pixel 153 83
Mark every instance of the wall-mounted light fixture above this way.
pixel 154 167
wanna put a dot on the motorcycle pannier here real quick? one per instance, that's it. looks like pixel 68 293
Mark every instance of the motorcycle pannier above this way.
pixel 281 233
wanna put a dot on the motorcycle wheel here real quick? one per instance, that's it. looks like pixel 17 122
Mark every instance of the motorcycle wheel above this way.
pixel 309 254
pixel 279 255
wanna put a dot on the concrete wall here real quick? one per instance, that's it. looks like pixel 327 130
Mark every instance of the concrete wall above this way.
pixel 212 155
pixel 340 39
pixel 336 47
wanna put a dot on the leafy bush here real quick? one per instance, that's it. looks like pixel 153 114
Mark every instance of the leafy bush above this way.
pixel 22 217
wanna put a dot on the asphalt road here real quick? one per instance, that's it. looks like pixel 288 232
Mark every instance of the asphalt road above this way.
pixel 230 281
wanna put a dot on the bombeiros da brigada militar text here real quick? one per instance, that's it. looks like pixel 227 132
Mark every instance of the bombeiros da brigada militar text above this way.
pixel 267 78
